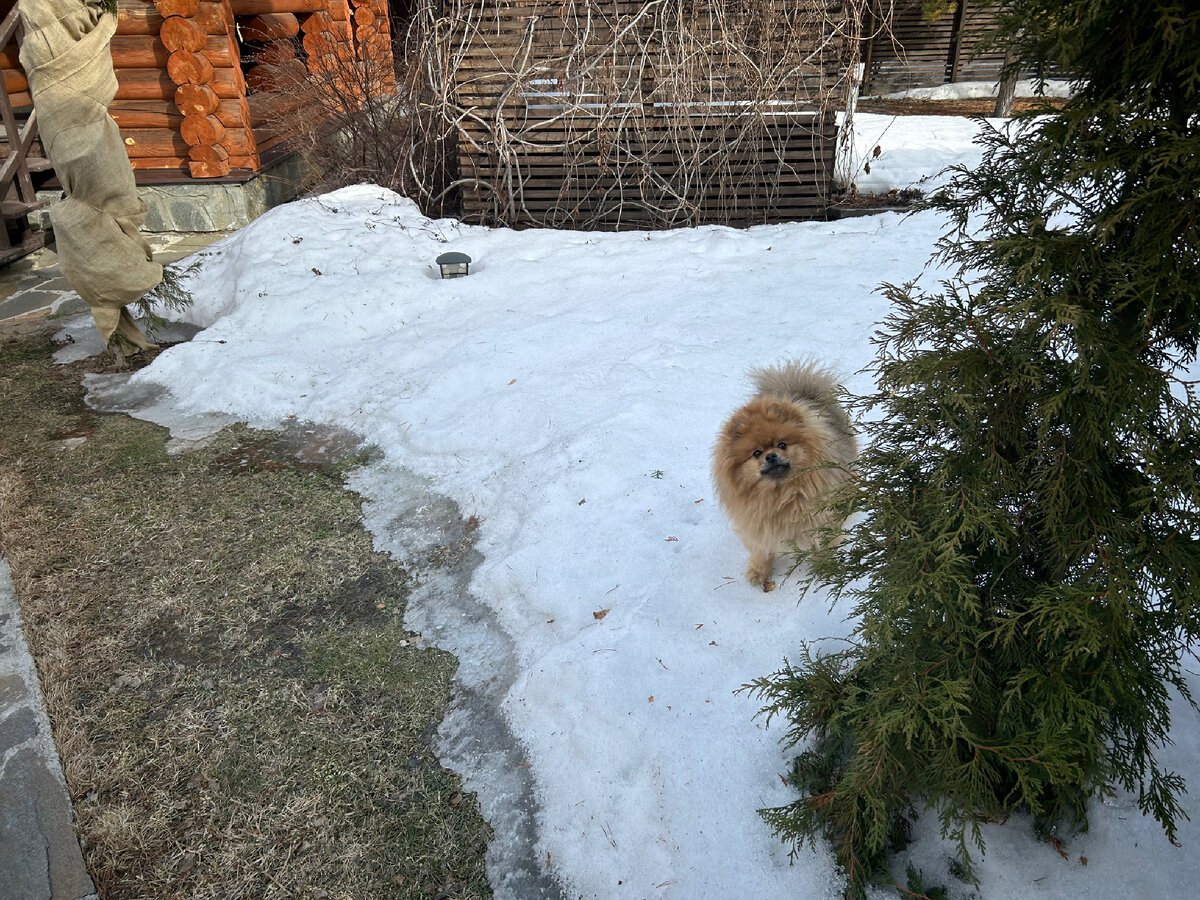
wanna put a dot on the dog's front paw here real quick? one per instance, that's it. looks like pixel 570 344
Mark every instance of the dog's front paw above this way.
pixel 759 570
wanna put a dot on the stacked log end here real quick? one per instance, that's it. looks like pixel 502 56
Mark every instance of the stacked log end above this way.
pixel 273 36
pixel 373 38
pixel 326 39
pixel 204 66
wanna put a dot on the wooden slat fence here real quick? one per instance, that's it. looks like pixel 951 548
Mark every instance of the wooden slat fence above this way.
pixel 914 52
pixel 615 113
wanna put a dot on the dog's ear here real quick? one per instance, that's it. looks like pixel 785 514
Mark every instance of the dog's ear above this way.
pixel 736 427
pixel 777 409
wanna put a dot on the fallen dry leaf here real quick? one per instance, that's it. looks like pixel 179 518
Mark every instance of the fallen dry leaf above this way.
pixel 1058 845
pixel 600 614
pixel 672 538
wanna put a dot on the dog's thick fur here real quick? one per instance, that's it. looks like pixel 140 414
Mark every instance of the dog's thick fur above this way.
pixel 777 457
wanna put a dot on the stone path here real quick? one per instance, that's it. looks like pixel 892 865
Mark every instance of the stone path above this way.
pixel 39 852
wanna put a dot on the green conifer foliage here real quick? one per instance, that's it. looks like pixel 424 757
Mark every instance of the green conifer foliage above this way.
pixel 1026 564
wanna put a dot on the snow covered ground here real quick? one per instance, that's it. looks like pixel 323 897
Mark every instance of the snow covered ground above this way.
pixel 568 393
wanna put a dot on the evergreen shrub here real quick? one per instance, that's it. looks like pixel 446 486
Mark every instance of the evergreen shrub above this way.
pixel 1025 563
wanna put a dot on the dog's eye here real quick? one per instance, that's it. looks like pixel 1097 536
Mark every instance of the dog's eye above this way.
pixel 757 454
pixel 781 445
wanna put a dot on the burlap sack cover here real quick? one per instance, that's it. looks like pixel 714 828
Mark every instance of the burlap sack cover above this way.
pixel 66 56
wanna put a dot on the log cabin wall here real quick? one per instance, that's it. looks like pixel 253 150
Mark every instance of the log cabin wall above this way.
pixel 185 104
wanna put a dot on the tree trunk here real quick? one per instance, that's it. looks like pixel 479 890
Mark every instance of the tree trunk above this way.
pixel 1008 87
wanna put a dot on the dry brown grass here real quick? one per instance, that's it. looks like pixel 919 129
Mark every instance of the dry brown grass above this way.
pixel 238 707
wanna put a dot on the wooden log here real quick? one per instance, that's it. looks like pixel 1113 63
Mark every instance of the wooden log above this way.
pixel 130 117
pixel 271 141
pixel 279 77
pixel 326 21
pixel 138 20
pixel 196 99
pixel 145 142
pixel 156 84
pixel 364 15
pixel 273 52
pixel 210 16
pixel 271 26
pixel 185 8
pixel 181 164
pixel 274 110
pixel 208 161
pixel 208 153
pixel 237 118
pixel 179 33
pixel 239 80
pixel 145 52
pixel 277 68
pixel 209 169
pixel 186 67
pixel 214 16
pixel 259 7
pixel 369 38
pixel 322 43
pixel 166 114
pixel 202 130
pixel 15 81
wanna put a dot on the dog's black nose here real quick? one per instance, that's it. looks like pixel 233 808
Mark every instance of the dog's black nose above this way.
pixel 772 458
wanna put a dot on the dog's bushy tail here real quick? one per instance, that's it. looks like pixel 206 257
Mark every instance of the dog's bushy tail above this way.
pixel 804 382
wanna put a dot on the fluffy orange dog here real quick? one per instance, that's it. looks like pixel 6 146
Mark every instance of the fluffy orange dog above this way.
pixel 777 457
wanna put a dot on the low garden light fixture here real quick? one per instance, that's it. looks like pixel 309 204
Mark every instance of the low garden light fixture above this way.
pixel 454 264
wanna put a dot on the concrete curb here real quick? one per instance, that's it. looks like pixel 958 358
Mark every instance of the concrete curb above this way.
pixel 40 857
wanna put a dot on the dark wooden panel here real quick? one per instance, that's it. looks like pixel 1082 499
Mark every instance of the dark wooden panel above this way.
pixel 916 53
pixel 570 119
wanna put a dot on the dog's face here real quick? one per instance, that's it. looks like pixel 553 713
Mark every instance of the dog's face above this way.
pixel 768 442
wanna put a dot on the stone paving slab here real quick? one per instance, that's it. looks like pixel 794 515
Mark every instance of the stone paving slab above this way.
pixel 34 286
pixel 40 857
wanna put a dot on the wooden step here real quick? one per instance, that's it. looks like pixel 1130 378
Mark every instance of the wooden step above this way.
pixel 15 209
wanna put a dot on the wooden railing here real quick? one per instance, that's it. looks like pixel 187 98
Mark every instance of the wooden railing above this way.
pixel 17 195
